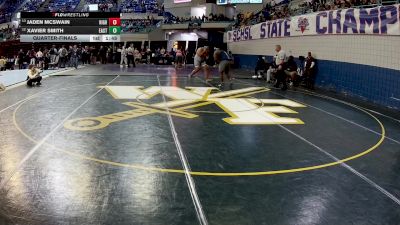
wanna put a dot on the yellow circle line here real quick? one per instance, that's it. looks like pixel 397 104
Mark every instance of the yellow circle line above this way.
pixel 202 173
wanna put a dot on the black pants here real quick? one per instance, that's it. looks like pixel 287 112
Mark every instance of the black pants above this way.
pixel 258 68
pixel 61 62
pixel 130 59
pixel 281 78
pixel 117 57
pixel 310 78
pixel 34 80
pixel 84 58
pixel 103 59
pixel 20 64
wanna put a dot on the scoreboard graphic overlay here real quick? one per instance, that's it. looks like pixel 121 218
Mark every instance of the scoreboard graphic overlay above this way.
pixel 70 27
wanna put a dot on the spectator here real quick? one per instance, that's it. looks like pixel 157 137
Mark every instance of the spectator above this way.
pixel 103 54
pixel 179 58
pixel 11 61
pixel 110 54
pixel 68 59
pixel 32 56
pixel 93 55
pixel 3 63
pixel 124 59
pixel 137 56
pixel 75 55
pixel 62 53
pixel 40 59
pixel 53 53
pixel 46 59
pixel 85 55
pixel 118 54
pixel 20 60
pixel 162 51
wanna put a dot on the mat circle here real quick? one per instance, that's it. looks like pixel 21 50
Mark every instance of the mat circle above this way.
pixel 201 173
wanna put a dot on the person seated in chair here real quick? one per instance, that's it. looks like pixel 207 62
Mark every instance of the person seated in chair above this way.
pixel 33 76
pixel 260 66
pixel 291 70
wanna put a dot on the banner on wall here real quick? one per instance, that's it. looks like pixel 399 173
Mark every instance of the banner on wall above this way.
pixel 384 20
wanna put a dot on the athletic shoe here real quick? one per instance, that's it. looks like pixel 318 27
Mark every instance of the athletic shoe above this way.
pixel 259 76
pixel 254 76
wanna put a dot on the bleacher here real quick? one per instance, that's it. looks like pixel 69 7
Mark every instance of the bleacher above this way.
pixel 139 6
pixel 101 1
pixel 138 25
pixel 8 8
pixel 32 5
pixel 62 5
pixel 10 33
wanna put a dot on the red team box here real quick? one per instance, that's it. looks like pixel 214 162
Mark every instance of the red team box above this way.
pixel 114 22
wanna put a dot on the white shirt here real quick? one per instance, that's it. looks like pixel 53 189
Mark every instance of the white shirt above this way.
pixel 123 52
pixel 279 57
pixel 312 64
pixel 39 54
pixel 130 51
pixel 33 73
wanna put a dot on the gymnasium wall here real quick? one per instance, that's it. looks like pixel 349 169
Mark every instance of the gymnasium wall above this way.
pixel 365 66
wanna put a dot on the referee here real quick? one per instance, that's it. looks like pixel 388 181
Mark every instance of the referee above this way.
pixel 280 62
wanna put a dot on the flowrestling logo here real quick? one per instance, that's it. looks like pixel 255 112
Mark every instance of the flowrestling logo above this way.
pixel 77 15
pixel 238 104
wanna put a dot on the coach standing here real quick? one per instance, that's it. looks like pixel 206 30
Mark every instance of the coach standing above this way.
pixel 280 60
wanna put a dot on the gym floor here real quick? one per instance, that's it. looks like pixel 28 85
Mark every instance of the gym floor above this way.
pixel 105 145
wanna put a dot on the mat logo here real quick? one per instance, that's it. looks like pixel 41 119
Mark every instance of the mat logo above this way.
pixel 242 108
